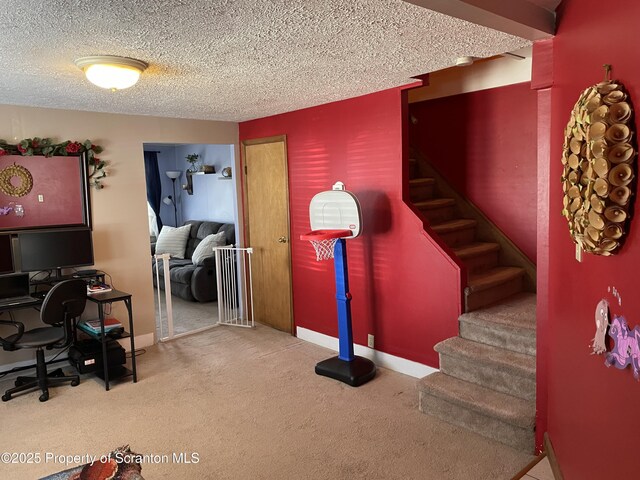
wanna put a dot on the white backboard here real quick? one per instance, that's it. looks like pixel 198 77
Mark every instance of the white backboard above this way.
pixel 335 209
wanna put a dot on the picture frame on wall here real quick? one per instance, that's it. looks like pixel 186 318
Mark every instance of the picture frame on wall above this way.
pixel 44 192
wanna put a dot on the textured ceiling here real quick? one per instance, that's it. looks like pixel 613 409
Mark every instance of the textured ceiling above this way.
pixel 228 59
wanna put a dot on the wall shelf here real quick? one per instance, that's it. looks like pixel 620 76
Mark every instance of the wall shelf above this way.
pixel 188 187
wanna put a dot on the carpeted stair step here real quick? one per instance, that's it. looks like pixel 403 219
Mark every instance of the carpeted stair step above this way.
pixel 511 324
pixel 492 414
pixel 491 286
pixel 478 256
pixel 456 232
pixel 437 210
pixel 491 367
pixel 421 189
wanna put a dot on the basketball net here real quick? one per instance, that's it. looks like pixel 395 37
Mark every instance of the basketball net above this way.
pixel 324 248
pixel 324 241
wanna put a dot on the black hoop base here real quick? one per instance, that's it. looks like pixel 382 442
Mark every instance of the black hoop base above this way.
pixel 355 373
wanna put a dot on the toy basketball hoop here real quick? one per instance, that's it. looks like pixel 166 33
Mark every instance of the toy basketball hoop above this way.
pixel 324 241
pixel 333 214
pixel 335 217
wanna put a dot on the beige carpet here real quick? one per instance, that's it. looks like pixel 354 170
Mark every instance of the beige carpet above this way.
pixel 187 316
pixel 249 405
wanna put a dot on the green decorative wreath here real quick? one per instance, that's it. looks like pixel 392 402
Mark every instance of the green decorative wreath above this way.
pixel 10 172
pixel 46 148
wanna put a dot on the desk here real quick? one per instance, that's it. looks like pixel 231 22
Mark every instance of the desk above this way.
pixel 102 299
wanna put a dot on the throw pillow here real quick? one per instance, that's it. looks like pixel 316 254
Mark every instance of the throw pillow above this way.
pixel 205 247
pixel 173 240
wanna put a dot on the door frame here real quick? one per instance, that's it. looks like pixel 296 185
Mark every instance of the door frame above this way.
pixel 245 205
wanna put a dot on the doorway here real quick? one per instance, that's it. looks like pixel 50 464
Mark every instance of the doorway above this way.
pixel 198 187
pixel 267 229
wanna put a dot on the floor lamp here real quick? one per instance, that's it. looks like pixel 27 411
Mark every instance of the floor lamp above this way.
pixel 173 175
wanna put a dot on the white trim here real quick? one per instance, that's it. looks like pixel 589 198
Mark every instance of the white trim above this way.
pixel 494 73
pixel 141 341
pixel 381 359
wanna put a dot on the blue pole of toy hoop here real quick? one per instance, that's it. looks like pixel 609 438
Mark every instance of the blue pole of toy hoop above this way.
pixel 343 300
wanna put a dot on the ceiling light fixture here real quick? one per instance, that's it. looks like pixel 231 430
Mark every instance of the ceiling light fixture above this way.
pixel 113 73
pixel 464 61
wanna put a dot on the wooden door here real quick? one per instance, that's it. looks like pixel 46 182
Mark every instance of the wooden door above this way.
pixel 267 229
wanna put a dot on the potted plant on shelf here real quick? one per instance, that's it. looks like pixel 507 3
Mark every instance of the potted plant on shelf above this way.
pixel 192 159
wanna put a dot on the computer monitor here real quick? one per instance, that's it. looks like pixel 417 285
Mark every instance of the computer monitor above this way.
pixel 55 249
pixel 6 254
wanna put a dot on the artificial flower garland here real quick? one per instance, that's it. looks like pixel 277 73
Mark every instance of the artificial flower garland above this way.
pixel 46 147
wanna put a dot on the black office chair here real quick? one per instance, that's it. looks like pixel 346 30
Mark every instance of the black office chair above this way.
pixel 63 304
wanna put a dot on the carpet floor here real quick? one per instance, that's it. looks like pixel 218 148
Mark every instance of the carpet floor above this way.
pixel 187 316
pixel 246 404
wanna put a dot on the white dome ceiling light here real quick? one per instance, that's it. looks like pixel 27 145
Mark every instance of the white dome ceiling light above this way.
pixel 111 72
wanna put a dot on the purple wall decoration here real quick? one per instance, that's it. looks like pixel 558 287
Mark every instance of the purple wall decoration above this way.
pixel 627 346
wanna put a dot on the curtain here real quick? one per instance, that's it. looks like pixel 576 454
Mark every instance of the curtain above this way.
pixel 154 188
pixel 153 223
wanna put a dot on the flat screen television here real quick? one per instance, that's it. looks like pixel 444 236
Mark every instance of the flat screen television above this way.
pixel 55 249
pixel 6 254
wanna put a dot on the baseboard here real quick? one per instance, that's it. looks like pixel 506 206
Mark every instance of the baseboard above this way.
pixel 142 341
pixel 553 460
pixel 381 359
pixel 522 473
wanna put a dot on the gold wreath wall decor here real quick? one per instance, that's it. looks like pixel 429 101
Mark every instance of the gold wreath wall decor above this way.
pixel 598 158
pixel 23 175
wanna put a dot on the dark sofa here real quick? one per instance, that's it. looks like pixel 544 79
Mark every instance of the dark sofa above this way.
pixel 190 282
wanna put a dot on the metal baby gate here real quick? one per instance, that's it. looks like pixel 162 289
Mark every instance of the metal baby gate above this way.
pixel 234 287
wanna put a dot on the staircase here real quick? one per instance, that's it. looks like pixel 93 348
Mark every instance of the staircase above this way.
pixel 493 272
pixel 486 381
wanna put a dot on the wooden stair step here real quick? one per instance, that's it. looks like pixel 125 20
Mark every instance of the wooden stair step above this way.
pixel 454 225
pixel 491 286
pixel 419 182
pixel 421 189
pixel 437 210
pixel 475 249
pixel 435 203
pixel 454 232
pixel 493 278
pixel 478 256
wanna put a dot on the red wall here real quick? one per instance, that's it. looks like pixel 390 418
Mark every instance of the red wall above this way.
pixel 57 179
pixel 484 144
pixel 593 411
pixel 405 290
